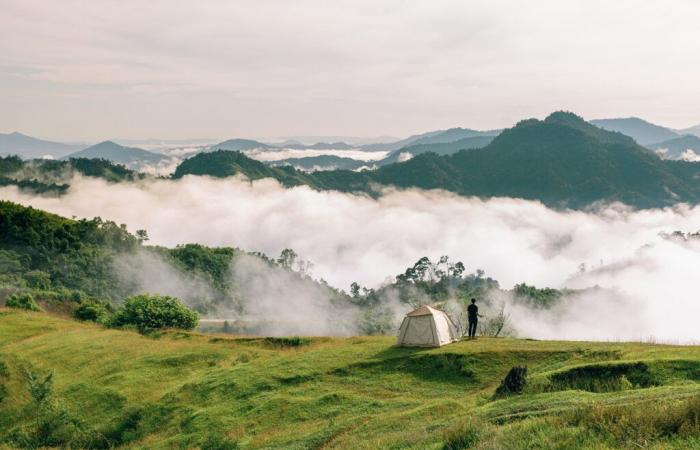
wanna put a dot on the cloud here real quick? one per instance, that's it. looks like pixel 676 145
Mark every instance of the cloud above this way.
pixel 649 282
pixel 91 70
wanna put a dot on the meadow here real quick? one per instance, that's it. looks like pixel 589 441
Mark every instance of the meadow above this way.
pixel 176 389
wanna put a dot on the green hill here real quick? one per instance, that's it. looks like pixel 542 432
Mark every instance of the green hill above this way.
pixel 561 161
pixel 185 390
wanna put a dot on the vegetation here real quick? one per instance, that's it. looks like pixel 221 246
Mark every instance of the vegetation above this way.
pixel 116 388
pixel 562 161
pixel 151 312
pixel 22 301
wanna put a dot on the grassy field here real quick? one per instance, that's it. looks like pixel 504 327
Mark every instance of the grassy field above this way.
pixel 188 390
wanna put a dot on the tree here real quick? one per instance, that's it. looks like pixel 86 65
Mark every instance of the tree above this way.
pixel 142 236
pixel 148 312
pixel 287 258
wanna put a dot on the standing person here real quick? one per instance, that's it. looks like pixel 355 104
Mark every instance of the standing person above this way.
pixel 473 313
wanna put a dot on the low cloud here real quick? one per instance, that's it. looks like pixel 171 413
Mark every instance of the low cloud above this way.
pixel 648 282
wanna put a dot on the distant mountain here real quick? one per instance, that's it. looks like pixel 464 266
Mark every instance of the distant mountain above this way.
pixel 443 148
pixel 431 137
pixel 674 148
pixel 239 145
pixel 695 131
pixel 111 151
pixel 318 146
pixel 640 130
pixel 321 162
pixel 28 147
pixel 561 161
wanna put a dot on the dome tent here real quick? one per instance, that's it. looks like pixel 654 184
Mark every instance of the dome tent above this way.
pixel 426 327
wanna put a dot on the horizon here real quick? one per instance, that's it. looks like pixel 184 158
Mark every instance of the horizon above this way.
pixel 89 72
pixel 320 138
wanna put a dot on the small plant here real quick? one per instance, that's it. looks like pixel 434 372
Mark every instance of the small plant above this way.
pixel 294 341
pixel 93 312
pixel 151 312
pixel 462 436
pixel 22 301
pixel 514 382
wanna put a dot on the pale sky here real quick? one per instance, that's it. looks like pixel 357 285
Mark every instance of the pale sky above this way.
pixel 97 69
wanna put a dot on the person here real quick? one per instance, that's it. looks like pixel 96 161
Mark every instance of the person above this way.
pixel 473 313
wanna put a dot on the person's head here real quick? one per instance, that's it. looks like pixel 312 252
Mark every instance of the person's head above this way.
pixel 473 301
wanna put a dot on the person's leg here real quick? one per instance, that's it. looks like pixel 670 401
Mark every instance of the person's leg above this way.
pixel 476 321
pixel 472 328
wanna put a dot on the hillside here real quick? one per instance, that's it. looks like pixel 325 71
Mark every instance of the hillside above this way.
pixel 119 154
pixel 640 130
pixel 441 148
pixel 238 145
pixel 321 162
pixel 562 161
pixel 185 390
pixel 28 147
pixel 676 147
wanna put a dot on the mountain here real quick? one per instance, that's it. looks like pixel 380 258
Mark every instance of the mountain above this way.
pixel 321 162
pixel 239 145
pixel 111 151
pixel 640 130
pixel 28 147
pixel 431 137
pixel 442 148
pixel 318 146
pixel 674 148
pixel 691 130
pixel 562 161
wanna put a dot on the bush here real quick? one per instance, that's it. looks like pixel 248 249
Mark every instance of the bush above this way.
pixel 514 382
pixel 22 301
pixel 93 312
pixel 149 312
pixel 462 436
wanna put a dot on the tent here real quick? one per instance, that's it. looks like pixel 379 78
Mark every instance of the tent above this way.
pixel 426 327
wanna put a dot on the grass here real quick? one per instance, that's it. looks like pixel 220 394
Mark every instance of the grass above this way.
pixel 190 390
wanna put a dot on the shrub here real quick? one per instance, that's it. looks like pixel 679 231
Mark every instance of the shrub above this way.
pixel 149 312
pixel 514 382
pixel 294 341
pixel 93 312
pixel 462 436
pixel 22 301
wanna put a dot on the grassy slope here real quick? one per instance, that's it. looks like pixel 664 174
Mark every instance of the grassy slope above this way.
pixel 334 393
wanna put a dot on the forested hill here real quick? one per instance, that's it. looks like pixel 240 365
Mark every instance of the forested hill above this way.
pixel 562 161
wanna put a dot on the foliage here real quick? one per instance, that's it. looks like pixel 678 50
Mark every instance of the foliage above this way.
pixel 150 312
pixel 22 301
pixel 538 298
pixel 91 311
pixel 463 435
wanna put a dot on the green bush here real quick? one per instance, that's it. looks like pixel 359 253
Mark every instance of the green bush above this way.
pixel 462 436
pixel 93 312
pixel 22 301
pixel 149 312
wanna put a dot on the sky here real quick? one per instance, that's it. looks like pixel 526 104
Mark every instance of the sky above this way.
pixel 98 69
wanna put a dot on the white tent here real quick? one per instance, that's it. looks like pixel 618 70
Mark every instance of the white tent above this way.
pixel 426 327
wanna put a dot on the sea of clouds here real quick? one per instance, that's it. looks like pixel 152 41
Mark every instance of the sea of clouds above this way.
pixel 649 282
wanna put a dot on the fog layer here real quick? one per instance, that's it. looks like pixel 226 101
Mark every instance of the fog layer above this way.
pixel 649 280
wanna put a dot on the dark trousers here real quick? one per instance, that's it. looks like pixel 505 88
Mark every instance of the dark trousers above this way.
pixel 472 326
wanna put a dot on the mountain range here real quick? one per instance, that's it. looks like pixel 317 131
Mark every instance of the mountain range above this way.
pixel 111 151
pixel 640 130
pixel 30 147
pixel 676 148
pixel 562 161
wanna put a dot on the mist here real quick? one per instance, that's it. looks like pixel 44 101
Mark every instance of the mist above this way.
pixel 647 282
